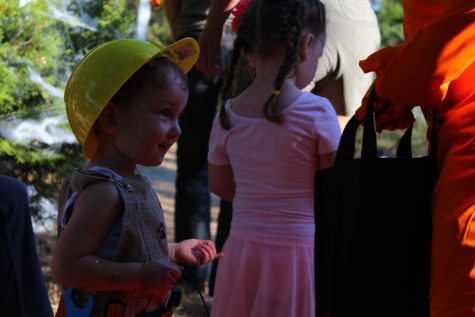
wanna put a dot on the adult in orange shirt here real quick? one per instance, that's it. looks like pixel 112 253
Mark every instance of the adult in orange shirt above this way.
pixel 435 68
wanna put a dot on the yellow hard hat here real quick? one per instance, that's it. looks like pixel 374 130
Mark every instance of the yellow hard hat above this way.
pixel 101 73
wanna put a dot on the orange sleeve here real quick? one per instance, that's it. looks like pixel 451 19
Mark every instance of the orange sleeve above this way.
pixel 420 71
pixel 420 13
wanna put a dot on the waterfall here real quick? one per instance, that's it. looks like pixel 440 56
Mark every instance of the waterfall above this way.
pixel 37 79
pixel 85 22
pixel 144 13
pixel 46 130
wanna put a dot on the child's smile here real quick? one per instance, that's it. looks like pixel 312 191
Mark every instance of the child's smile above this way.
pixel 150 123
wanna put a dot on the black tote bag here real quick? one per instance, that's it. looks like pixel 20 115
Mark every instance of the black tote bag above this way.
pixel 373 228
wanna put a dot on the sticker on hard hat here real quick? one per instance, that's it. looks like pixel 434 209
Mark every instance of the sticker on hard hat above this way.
pixel 184 51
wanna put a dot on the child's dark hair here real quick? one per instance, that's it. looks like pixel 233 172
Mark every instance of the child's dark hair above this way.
pixel 153 75
pixel 267 27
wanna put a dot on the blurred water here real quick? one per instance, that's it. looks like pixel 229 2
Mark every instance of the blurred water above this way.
pixel 37 79
pixel 48 130
pixel 48 208
pixel 144 13
pixel 85 21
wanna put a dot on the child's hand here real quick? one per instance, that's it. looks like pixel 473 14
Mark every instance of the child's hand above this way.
pixel 159 277
pixel 196 252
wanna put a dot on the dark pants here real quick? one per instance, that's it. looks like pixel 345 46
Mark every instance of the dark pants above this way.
pixel 22 285
pixel 224 226
pixel 193 200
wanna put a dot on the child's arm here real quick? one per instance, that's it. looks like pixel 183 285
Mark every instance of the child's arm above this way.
pixel 328 131
pixel 75 263
pixel 193 252
pixel 326 160
pixel 221 181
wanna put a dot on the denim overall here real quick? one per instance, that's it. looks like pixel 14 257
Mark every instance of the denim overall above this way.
pixel 138 236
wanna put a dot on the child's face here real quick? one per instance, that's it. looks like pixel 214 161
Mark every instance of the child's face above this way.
pixel 307 69
pixel 149 124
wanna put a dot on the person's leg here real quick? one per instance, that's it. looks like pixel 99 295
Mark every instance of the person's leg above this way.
pixel 331 87
pixel 224 226
pixel 24 281
pixel 363 41
pixel 192 199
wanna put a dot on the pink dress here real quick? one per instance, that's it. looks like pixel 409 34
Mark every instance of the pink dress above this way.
pixel 268 266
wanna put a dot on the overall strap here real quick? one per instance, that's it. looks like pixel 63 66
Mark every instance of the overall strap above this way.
pixel 78 181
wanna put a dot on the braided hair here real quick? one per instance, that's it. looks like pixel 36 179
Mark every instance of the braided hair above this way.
pixel 267 27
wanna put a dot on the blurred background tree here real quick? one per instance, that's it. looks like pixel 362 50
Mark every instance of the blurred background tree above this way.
pixel 390 19
pixel 40 42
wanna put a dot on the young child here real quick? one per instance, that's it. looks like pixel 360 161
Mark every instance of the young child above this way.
pixel 265 148
pixel 123 102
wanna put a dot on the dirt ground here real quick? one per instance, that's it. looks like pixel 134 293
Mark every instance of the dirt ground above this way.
pixel 162 178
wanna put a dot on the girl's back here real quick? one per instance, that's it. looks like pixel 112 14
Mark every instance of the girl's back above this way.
pixel 274 164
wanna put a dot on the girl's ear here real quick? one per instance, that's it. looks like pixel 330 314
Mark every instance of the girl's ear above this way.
pixel 107 120
pixel 304 46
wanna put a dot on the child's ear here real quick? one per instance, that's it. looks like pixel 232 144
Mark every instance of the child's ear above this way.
pixel 107 120
pixel 304 46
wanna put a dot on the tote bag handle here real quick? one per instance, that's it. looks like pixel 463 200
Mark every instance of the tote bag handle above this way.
pixel 346 150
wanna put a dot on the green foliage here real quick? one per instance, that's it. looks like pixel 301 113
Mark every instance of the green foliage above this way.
pixel 44 172
pixel 33 44
pixel 159 30
pixel 34 39
pixel 387 141
pixel 113 19
pixel 390 22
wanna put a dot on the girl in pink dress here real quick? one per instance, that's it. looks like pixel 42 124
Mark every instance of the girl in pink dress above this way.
pixel 265 147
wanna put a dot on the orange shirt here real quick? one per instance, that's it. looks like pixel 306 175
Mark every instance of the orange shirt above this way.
pixel 435 68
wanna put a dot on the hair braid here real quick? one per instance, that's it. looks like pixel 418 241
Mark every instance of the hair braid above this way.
pixel 226 90
pixel 290 35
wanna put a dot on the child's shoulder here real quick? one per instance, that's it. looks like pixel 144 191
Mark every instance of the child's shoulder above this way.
pixel 83 178
pixel 93 184
pixel 101 190
pixel 315 106
pixel 315 102
pixel 93 181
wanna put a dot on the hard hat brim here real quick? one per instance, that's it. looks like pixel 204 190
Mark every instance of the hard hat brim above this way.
pixel 184 53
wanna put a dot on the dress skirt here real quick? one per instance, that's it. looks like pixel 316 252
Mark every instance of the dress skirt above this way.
pixel 264 276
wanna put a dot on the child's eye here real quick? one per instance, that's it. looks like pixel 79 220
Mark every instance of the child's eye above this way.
pixel 164 112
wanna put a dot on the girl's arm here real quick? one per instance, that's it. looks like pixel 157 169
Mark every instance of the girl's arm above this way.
pixel 75 263
pixel 326 160
pixel 221 181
